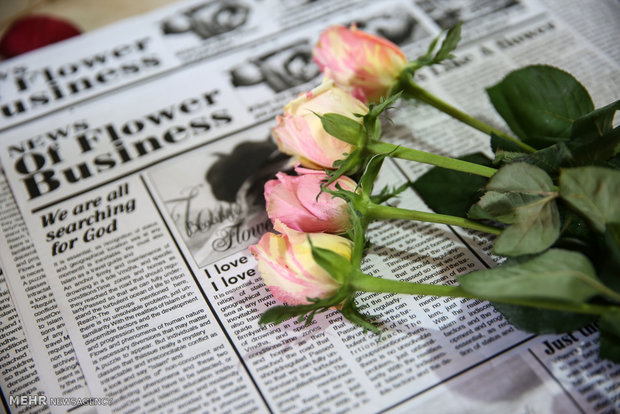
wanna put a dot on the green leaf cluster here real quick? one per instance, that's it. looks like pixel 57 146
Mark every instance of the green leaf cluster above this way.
pixel 560 206
pixel 522 196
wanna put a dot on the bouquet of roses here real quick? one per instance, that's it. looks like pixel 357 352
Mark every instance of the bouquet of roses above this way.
pixel 550 196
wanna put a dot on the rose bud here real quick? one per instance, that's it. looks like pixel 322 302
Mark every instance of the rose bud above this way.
pixel 293 201
pixel 365 65
pixel 288 268
pixel 300 133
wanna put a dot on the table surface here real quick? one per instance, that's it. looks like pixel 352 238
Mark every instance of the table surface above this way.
pixel 86 14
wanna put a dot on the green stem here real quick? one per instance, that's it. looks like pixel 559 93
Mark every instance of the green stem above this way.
pixel 428 158
pixel 376 211
pixel 366 283
pixel 413 90
pixel 396 151
pixel 359 240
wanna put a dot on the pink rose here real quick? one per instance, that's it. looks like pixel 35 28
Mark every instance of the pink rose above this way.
pixel 286 264
pixel 293 201
pixel 300 133
pixel 363 64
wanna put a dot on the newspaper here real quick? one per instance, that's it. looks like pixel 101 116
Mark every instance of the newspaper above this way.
pixel 133 164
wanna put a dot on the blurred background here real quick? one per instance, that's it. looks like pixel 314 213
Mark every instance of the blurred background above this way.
pixel 84 15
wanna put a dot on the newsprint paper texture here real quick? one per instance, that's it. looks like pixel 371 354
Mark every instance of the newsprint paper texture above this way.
pixel 133 164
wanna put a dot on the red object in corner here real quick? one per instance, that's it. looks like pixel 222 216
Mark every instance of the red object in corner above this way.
pixel 32 32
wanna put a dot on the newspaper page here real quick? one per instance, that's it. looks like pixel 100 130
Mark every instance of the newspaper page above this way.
pixel 134 160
